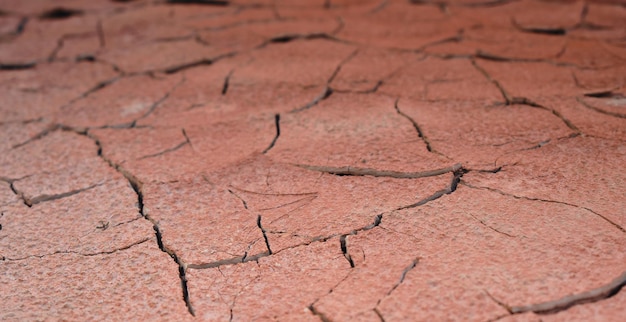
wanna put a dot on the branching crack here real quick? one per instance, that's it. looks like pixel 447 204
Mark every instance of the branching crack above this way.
pixel 137 187
pixel 248 258
pixel 516 100
pixel 544 200
pixel 327 91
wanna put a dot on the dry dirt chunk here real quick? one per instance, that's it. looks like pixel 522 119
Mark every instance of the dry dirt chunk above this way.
pixel 476 135
pixel 299 206
pixel 202 224
pixel 535 81
pixel 279 287
pixel 381 260
pixel 543 253
pixel 138 283
pixel 368 129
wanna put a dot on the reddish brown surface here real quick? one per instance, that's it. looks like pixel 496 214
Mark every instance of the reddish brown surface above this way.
pixel 142 177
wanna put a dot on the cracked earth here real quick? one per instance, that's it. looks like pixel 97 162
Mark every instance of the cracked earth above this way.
pixel 322 160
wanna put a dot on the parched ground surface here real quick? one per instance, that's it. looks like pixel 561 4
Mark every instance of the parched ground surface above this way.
pixel 319 160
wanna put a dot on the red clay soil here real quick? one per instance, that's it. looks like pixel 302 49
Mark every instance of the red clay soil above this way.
pixel 325 160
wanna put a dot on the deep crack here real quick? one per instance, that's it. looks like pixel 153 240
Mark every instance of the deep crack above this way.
pixel 555 306
pixel 277 124
pixel 267 242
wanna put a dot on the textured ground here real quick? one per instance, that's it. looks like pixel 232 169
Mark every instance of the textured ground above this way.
pixel 335 160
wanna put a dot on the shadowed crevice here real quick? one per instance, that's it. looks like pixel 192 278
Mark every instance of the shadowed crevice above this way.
pixel 226 82
pixel 327 91
pixel 318 314
pixel 416 126
pixel 136 185
pixel 555 306
pixel 60 13
pixel 264 232
pixel 539 30
pixel 181 267
pixel 220 3
pixel 354 171
pixel 18 66
pixel 43 198
pixel 248 258
pixel 454 182
pixel 277 124
pixel 343 243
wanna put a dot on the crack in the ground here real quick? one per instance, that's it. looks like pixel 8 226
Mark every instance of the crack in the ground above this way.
pixel 355 171
pixel 551 307
pixel 482 222
pixel 327 91
pixel 277 124
pixel 219 3
pixel 200 62
pixel 45 197
pixel 245 204
pixel 517 100
pixel 406 270
pixel 59 13
pixel 469 4
pixel 17 66
pixel 172 149
pixel 456 178
pixel 248 258
pixel 264 232
pixel 136 185
pixel 319 314
pixel 539 30
pixel 343 243
pixel 614 224
pixel 418 129
pixel 593 108
pixel 79 253
pixel 227 82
